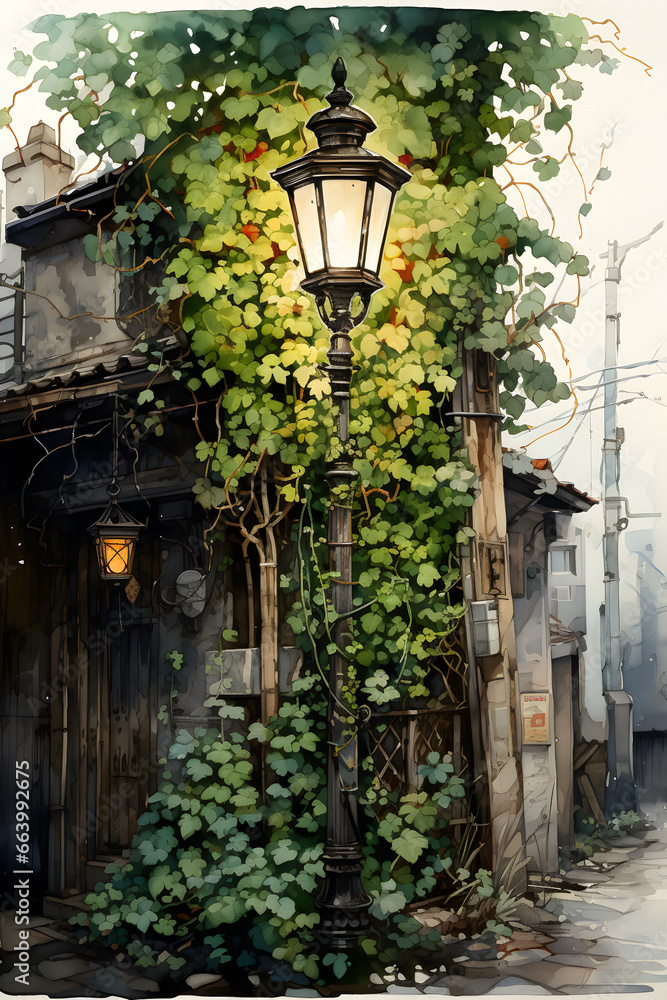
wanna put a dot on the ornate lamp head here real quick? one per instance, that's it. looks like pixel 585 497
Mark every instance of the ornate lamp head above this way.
pixel 341 197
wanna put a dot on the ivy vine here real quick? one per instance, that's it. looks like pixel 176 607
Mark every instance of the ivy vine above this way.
pixel 221 877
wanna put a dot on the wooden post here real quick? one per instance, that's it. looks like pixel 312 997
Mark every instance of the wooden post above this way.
pixel 58 748
pixel 268 604
pixel 412 772
pixel 85 732
pixel 485 576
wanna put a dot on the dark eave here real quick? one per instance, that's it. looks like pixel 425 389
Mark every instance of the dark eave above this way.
pixel 68 216
pixel 567 499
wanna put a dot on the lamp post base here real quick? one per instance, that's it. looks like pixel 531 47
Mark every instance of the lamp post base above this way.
pixel 342 900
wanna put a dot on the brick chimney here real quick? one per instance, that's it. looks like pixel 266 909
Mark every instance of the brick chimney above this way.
pixel 39 171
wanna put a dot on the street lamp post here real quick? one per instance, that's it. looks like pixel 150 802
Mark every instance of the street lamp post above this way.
pixel 341 197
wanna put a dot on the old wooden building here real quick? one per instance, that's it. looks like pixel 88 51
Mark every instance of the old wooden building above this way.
pixel 546 552
pixel 91 693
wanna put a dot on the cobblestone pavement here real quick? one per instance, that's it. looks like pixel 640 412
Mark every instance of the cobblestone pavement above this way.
pixel 60 967
pixel 604 931
pixel 607 934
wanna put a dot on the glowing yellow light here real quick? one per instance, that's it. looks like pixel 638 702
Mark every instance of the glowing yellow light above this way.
pixel 115 541
pixel 116 556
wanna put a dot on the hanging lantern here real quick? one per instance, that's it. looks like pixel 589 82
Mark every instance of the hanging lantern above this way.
pixel 115 536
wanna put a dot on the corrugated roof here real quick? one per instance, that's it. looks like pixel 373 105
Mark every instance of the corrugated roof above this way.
pixel 60 378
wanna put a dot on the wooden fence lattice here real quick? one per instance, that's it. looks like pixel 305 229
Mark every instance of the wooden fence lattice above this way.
pixel 401 741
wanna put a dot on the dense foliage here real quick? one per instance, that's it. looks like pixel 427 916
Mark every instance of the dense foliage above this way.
pixel 200 107
pixel 230 874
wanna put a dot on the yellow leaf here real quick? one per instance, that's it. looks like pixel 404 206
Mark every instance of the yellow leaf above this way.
pixel 391 251
pixel 303 375
pixel 396 337
pixel 370 345
pixel 319 387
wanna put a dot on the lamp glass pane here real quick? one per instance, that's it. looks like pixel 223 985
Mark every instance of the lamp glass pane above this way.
pixel 382 202
pixel 344 202
pixel 116 554
pixel 309 227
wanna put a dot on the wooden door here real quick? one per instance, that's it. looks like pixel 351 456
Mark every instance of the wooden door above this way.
pixel 127 715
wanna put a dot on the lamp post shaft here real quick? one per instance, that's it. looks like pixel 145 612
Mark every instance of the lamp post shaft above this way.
pixel 342 900
pixel 341 269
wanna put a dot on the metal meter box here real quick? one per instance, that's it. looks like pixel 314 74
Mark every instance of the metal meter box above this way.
pixel 237 673
pixel 233 673
pixel 486 631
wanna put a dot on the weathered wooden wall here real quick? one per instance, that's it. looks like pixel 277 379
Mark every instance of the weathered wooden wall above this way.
pixel 493 688
pixel 27 595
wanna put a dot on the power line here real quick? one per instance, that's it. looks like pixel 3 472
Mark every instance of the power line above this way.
pixel 635 364
pixel 553 420
pixel 613 381
pixel 577 428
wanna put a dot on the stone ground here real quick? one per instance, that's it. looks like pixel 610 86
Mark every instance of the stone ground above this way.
pixel 61 967
pixel 604 931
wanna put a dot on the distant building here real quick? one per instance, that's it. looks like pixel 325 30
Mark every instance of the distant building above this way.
pixel 546 553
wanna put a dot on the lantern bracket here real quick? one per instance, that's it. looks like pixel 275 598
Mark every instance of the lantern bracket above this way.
pixel 335 294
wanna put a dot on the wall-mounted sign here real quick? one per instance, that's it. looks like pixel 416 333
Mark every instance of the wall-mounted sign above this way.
pixel 535 714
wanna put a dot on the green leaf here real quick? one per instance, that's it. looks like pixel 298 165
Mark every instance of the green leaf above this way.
pixel 506 275
pixel 19 65
pixel 546 168
pixel 189 824
pixel 339 963
pixel 427 575
pixel 578 265
pixel 418 811
pixel 284 854
pixel 570 89
pixel 390 902
pixel 410 845
pixel 557 118
pixel 542 278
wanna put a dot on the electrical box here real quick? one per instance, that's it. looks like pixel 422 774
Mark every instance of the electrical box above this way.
pixel 486 630
pixel 233 673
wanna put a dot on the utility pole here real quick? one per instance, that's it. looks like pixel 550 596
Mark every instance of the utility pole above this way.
pixel 620 790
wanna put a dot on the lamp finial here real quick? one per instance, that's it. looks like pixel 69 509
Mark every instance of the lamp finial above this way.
pixel 339 73
pixel 340 96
